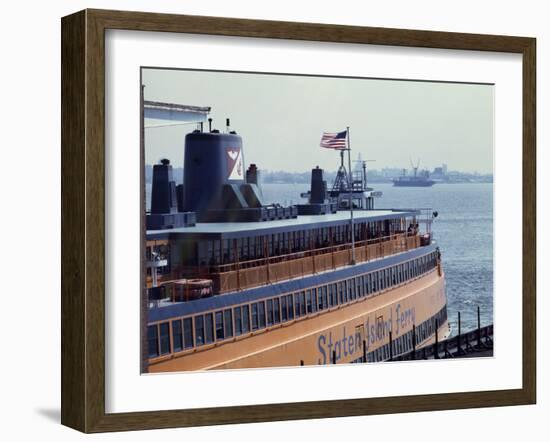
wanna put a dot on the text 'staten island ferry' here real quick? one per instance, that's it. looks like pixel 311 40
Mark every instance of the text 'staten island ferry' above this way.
pixel 235 283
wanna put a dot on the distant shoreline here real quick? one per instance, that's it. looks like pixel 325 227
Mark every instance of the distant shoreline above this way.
pixel 373 176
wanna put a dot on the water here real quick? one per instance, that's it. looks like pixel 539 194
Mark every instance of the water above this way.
pixel 463 231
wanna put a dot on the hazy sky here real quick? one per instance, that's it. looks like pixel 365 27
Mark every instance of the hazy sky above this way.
pixel 281 119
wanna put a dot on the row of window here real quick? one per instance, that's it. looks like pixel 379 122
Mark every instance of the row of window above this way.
pixel 404 343
pixel 224 324
pixel 211 252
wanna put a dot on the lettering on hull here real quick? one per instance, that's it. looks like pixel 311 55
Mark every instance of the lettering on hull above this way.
pixel 346 345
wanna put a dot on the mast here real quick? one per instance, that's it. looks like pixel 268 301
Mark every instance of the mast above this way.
pixel 350 181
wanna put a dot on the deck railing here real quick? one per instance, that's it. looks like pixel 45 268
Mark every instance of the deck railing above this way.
pixel 257 272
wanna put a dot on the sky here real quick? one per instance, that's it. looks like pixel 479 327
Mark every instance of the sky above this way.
pixel 282 117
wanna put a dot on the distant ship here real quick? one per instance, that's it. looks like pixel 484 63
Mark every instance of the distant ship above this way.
pixel 416 180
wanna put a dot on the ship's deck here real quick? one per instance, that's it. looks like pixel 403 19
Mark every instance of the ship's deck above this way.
pixel 245 229
pixel 169 310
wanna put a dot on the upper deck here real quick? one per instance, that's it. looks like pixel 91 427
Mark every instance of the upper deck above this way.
pixel 232 230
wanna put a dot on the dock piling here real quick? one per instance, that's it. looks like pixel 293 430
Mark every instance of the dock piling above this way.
pixel 459 350
pixel 413 353
pixel 436 345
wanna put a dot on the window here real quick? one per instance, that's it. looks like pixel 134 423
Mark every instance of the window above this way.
pixel 152 339
pixel 284 316
pixel 238 322
pixel 276 312
pixel 177 336
pixel 325 297
pixel 289 307
pixel 219 326
pixel 351 289
pixel 341 292
pixel 369 284
pixel 308 301
pixel 228 323
pixel 255 316
pixel 188 332
pixel 370 288
pixel 331 300
pixel 261 313
pixel 303 303
pixel 245 311
pixel 164 338
pixel 297 304
pixel 209 328
pixel 269 312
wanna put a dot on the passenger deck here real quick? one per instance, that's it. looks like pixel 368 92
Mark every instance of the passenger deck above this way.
pixel 237 256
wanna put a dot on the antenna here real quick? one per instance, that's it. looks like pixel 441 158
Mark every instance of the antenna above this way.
pixel 363 164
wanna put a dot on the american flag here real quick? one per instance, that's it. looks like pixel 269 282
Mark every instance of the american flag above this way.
pixel 334 140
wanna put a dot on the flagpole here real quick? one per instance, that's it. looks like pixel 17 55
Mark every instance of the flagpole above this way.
pixel 351 200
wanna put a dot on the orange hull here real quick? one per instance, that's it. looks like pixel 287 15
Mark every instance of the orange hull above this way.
pixel 343 334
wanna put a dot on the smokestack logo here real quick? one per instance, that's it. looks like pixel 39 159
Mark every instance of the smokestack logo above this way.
pixel 234 163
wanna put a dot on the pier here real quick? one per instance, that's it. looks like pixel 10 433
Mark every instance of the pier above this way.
pixel 476 343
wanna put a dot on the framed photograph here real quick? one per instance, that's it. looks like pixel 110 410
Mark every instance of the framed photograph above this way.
pixel 271 220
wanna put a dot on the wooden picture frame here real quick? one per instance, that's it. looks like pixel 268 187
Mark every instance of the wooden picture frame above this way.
pixel 83 219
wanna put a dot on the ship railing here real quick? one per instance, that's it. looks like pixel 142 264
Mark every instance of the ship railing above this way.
pixel 242 275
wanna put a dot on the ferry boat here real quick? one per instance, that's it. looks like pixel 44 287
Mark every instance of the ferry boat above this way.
pixel 234 282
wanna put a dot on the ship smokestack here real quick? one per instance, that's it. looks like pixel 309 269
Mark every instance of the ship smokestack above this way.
pixel 252 174
pixel 227 124
pixel 166 210
pixel 210 125
pixel 318 193
pixel 212 161
pixel 163 194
